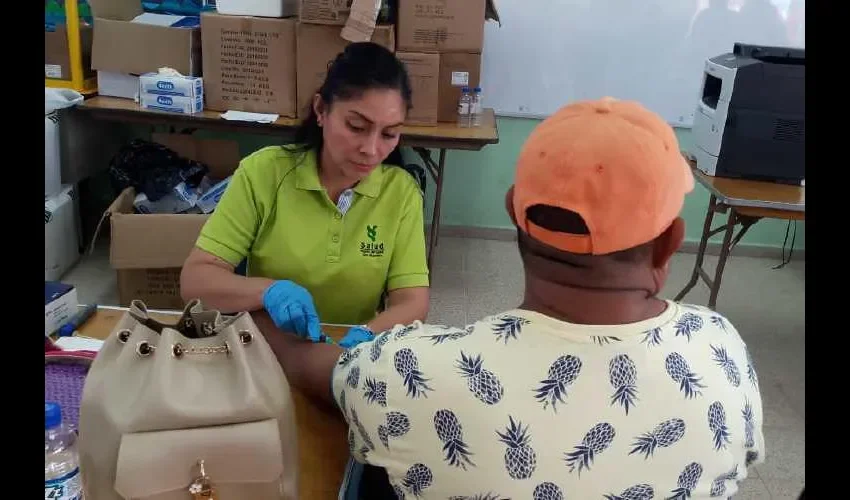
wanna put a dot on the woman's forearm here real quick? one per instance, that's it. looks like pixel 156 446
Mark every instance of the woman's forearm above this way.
pixel 404 306
pixel 221 289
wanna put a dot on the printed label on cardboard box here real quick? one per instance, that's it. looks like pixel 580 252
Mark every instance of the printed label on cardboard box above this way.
pixel 52 71
pixel 460 78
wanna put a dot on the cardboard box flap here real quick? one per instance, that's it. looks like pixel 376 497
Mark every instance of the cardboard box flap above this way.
pixel 122 10
pixel 491 13
pixel 220 155
pixel 132 246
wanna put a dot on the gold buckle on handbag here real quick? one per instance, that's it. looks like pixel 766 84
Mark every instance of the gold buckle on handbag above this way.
pixel 202 488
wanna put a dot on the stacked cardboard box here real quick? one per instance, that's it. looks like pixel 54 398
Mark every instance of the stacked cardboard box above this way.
pixel 148 250
pixel 441 43
pixel 123 49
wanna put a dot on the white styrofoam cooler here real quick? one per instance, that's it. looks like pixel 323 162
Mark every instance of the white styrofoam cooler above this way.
pixel 259 8
pixel 61 233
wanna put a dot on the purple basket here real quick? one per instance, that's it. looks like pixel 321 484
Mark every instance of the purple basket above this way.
pixel 64 376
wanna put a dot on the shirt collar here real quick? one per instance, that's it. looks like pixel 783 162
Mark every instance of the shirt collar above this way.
pixel 307 177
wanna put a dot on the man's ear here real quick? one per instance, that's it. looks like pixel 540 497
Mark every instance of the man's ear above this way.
pixel 509 204
pixel 668 243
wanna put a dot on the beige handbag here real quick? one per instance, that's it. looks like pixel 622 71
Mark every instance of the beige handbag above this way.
pixel 196 410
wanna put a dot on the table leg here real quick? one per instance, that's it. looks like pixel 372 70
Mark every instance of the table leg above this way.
pixel 436 169
pixel 724 254
pixel 703 243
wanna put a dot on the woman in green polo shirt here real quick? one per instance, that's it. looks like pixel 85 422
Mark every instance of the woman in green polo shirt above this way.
pixel 323 221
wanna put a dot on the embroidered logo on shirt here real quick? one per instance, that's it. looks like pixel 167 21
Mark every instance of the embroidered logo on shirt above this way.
pixel 372 248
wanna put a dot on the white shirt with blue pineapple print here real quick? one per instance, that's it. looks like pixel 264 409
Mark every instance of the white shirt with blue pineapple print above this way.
pixel 523 406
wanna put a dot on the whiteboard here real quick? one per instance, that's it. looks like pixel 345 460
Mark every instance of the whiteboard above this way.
pixel 548 53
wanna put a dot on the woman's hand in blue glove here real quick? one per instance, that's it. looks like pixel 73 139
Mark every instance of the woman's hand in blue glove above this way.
pixel 292 310
pixel 356 335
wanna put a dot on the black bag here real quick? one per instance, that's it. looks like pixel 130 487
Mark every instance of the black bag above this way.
pixel 153 169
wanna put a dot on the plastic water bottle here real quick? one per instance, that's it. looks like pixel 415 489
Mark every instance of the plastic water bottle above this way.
pixel 61 462
pixel 476 108
pixel 464 107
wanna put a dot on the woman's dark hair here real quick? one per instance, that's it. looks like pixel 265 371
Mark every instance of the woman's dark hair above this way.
pixel 360 67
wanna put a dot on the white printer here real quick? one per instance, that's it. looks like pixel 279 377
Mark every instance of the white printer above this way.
pixel 750 121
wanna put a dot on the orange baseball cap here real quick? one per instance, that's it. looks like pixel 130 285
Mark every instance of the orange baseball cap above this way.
pixel 614 163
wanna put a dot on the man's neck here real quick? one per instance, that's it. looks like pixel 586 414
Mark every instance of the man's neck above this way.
pixel 591 307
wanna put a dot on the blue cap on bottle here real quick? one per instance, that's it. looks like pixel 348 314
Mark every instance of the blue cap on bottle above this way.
pixel 465 89
pixel 477 89
pixel 52 415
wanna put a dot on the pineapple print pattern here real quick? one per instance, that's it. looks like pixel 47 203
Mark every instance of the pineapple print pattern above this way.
pixel 553 388
pixel 353 379
pixel 482 383
pixel 378 345
pixel 397 426
pixel 672 390
pixel 718 322
pixel 688 480
pixel 597 439
pixel 603 340
pixel 455 335
pixel 622 374
pixel 688 325
pixel 417 479
pixel 652 337
pixel 547 491
pixel 718 486
pixel 749 425
pixel 508 327
pixel 479 496
pixel 520 458
pixel 717 424
pixel 375 392
pixel 362 430
pixel 751 371
pixel 450 433
pixel 664 435
pixel 636 492
pixel 680 372
pixel 721 357
pixel 407 366
pixel 347 357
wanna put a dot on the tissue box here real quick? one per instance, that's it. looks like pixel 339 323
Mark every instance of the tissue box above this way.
pixel 172 104
pixel 182 86
pixel 60 303
pixel 209 199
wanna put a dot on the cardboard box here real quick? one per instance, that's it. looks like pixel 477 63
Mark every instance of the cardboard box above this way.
pixel 456 71
pixel 122 46
pixel 423 70
pixel 441 25
pixel 148 251
pixel 118 85
pixel 318 46
pixel 60 304
pixel 331 12
pixel 57 59
pixel 249 64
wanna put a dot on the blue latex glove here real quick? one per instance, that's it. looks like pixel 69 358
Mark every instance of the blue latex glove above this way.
pixel 356 335
pixel 292 310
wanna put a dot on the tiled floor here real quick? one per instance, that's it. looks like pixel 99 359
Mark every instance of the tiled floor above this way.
pixel 473 277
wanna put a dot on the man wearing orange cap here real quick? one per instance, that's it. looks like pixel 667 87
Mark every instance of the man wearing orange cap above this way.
pixel 593 387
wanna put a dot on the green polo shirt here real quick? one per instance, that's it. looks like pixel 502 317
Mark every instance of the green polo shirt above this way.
pixel 276 213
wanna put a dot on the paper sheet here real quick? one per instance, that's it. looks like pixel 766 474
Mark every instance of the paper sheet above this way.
pixel 79 343
pixel 242 116
pixel 361 21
